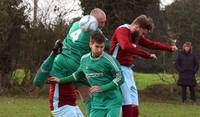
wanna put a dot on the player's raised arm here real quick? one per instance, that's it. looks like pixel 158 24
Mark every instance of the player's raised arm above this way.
pixel 43 72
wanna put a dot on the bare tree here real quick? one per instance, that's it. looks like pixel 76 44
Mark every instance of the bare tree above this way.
pixel 50 11
pixel 35 12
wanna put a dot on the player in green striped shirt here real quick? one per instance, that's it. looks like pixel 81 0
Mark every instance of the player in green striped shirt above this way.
pixel 75 45
pixel 104 76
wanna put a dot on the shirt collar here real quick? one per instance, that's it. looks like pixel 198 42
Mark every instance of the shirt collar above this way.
pixel 97 58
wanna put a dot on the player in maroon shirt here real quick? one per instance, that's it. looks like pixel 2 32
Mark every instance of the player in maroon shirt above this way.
pixel 123 45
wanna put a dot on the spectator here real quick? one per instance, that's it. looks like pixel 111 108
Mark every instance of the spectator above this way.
pixel 187 66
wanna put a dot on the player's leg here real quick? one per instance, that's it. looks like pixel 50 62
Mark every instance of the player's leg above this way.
pixel 62 67
pixel 98 113
pixel 127 111
pixel 88 105
pixel 134 93
pixel 67 111
pixel 130 94
pixel 114 112
pixel 83 89
pixel 84 95
pixel 192 93
pixel 183 94
pixel 135 111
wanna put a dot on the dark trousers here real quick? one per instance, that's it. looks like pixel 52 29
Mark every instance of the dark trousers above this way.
pixel 192 93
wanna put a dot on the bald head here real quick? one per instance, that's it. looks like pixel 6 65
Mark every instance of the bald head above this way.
pixel 100 16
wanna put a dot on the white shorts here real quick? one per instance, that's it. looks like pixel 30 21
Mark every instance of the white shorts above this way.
pixel 128 88
pixel 67 111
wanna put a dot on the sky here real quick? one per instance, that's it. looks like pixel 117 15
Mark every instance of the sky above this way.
pixel 48 10
pixel 165 2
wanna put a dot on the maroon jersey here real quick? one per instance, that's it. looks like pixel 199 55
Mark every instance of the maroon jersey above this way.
pixel 122 38
pixel 61 94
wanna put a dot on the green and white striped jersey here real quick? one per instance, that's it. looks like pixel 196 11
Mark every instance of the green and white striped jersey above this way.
pixel 76 43
pixel 101 71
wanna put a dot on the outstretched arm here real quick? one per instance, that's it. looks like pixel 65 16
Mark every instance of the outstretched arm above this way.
pixel 43 72
pixel 156 45
pixel 74 77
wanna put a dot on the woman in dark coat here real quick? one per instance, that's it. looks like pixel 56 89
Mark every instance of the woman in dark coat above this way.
pixel 187 66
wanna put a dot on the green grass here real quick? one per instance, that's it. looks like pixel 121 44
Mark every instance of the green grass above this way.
pixel 24 107
pixel 28 107
pixel 33 107
pixel 148 79
pixel 39 107
pixel 168 109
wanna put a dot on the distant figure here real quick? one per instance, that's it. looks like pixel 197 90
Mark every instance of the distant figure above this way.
pixel 187 66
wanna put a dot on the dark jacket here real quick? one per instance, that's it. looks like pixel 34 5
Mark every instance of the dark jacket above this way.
pixel 187 66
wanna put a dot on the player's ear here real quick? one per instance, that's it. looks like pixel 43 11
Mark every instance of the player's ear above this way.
pixel 90 44
pixel 137 27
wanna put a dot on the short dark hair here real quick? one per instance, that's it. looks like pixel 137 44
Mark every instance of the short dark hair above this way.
pixel 144 22
pixel 97 37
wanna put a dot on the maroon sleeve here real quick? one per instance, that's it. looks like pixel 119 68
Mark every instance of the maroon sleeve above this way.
pixel 154 45
pixel 123 37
